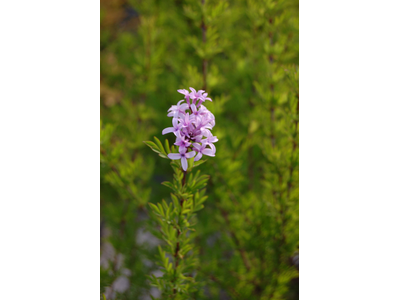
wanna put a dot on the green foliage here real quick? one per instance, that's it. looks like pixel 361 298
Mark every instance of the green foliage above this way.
pixel 245 55
pixel 178 259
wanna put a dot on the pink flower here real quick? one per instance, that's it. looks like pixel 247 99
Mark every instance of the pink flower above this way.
pixel 175 129
pixel 195 95
pixel 177 110
pixel 186 93
pixel 183 156
pixel 192 127
pixel 201 149
pixel 181 142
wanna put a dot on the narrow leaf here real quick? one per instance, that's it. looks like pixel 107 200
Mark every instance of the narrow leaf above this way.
pixel 167 146
pixel 160 146
pixel 151 145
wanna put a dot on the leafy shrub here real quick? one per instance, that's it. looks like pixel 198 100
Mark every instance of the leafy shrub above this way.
pixel 245 54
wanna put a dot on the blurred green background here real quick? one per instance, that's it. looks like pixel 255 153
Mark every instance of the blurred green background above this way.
pixel 245 55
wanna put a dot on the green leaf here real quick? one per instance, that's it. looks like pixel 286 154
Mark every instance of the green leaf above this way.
pixel 191 279
pixel 199 162
pixel 189 179
pixel 156 149
pixel 160 146
pixel 170 185
pixel 190 163
pixel 165 205
pixel 151 145
pixel 161 252
pixel 198 207
pixel 163 156
pixel 200 183
pixel 155 208
pixel 176 202
pixel 167 146
pixel 185 249
pixel 160 208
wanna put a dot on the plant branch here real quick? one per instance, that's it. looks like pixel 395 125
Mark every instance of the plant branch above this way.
pixel 177 247
pixel 204 31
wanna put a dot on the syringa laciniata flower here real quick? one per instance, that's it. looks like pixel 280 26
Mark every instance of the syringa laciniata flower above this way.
pixel 183 156
pixel 195 113
pixel 187 95
pixel 175 129
pixel 178 110
pixel 209 138
pixel 201 149
pixel 205 122
pixel 195 95
pixel 192 123
pixel 185 122
pixel 182 142
pixel 203 98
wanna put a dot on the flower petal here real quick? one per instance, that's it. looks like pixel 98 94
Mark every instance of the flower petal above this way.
pixel 190 154
pixel 182 150
pixel 175 122
pixel 208 152
pixel 197 146
pixel 172 108
pixel 212 147
pixel 183 91
pixel 174 155
pixel 168 130
pixel 197 138
pixel 198 156
pixel 184 163
pixel 213 139
pixel 206 132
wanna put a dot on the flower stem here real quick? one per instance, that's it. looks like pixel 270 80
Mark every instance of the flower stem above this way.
pixel 184 179
pixel 176 254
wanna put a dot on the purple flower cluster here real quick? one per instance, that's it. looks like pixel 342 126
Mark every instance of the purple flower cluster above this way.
pixel 192 129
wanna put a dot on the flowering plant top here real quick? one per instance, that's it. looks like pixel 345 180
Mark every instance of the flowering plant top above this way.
pixel 191 124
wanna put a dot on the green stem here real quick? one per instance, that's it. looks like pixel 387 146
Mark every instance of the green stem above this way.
pixel 176 255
